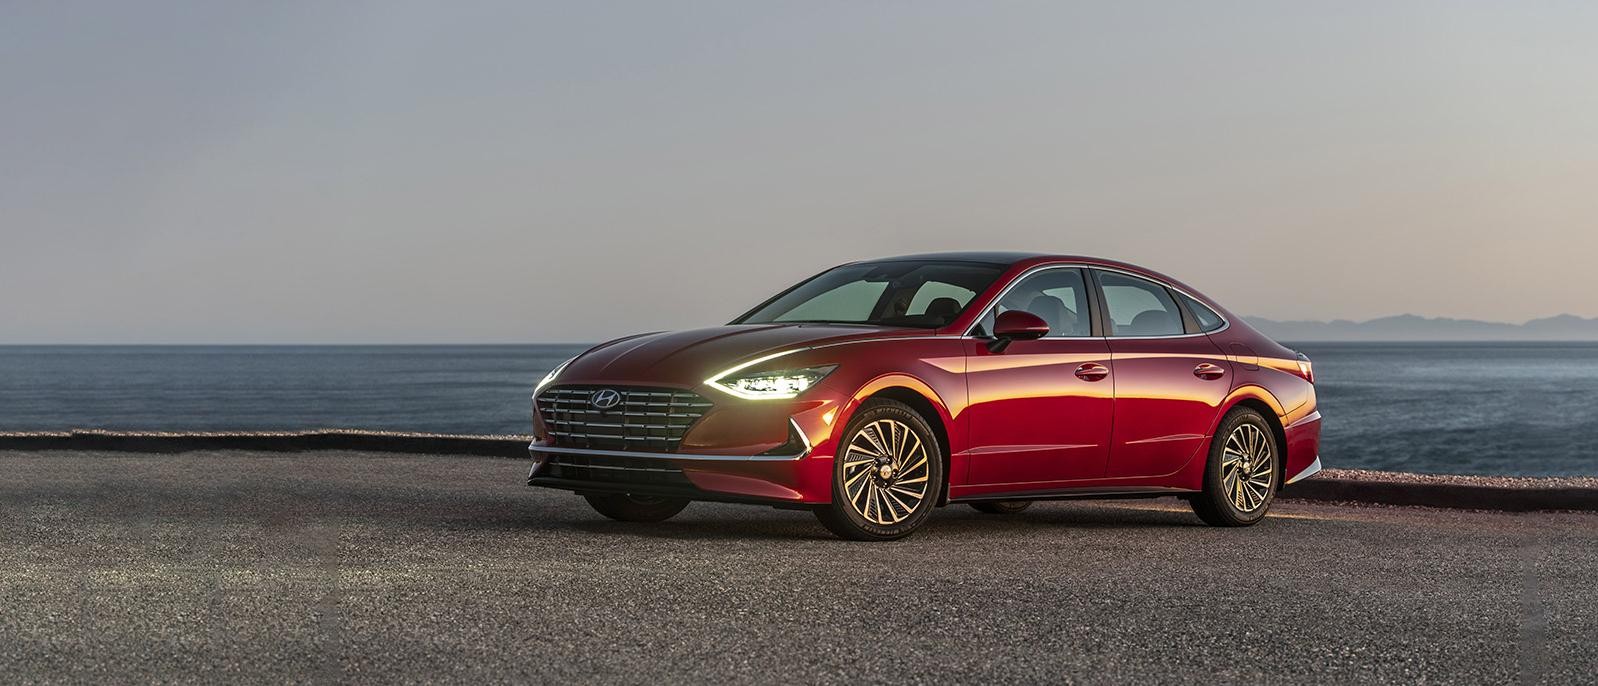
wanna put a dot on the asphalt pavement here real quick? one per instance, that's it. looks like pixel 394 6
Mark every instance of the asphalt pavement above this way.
pixel 365 567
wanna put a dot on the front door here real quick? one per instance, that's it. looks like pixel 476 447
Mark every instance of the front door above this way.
pixel 1040 410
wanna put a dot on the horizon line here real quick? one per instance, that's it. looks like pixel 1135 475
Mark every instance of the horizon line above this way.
pixel 1255 318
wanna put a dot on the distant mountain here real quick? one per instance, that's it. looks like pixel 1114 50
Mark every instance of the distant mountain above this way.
pixel 1408 327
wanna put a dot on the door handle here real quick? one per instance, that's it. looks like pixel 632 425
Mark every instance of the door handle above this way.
pixel 1092 371
pixel 1208 372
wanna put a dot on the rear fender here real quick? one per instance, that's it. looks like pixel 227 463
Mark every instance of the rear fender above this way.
pixel 1191 476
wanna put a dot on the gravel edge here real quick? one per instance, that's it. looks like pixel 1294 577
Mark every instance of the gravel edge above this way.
pixel 1509 494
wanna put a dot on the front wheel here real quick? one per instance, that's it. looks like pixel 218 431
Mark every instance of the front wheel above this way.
pixel 1241 475
pixel 635 508
pixel 887 476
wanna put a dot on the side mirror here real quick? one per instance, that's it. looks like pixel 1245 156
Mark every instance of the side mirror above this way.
pixel 1016 325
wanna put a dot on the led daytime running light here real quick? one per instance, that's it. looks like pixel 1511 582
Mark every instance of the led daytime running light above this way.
pixel 771 384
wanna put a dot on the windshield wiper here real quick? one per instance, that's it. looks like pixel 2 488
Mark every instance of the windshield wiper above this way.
pixel 822 321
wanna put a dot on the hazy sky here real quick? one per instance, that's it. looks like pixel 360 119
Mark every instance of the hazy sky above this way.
pixel 465 172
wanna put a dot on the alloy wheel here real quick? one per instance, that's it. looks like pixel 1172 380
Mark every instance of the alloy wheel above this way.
pixel 886 472
pixel 1247 467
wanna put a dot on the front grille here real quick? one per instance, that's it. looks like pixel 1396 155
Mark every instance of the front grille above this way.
pixel 646 419
pixel 615 470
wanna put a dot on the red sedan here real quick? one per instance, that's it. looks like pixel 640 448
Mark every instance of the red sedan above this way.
pixel 877 391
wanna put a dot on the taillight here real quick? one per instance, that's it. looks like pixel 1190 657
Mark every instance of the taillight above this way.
pixel 1306 369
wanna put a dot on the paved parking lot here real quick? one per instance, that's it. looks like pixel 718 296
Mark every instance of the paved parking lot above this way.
pixel 334 567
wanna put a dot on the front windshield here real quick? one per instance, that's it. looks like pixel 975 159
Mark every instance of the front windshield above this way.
pixel 910 293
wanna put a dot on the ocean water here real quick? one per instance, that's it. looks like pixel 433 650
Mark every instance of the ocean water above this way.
pixel 1516 409
pixel 443 389
pixel 1527 409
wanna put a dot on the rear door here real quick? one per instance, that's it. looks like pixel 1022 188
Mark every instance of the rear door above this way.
pixel 1170 379
pixel 1040 410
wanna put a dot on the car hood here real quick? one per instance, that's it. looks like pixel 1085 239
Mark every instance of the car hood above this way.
pixel 688 358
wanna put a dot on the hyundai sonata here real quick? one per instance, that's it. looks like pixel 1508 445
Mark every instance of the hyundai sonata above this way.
pixel 876 391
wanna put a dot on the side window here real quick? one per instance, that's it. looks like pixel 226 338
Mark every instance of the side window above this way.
pixel 1058 296
pixel 1139 307
pixel 1208 320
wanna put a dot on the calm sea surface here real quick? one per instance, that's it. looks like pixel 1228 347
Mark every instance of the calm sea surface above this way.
pixel 1454 408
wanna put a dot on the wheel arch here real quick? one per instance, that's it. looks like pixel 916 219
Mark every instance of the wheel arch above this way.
pixel 1261 401
pixel 924 401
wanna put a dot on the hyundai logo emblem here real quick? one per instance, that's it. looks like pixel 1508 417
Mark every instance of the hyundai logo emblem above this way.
pixel 605 399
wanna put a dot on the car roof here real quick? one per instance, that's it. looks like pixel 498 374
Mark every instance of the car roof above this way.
pixel 1018 261
pixel 995 257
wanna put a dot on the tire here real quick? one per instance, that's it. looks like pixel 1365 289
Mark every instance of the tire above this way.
pixel 887 476
pixel 1002 507
pixel 1245 447
pixel 635 508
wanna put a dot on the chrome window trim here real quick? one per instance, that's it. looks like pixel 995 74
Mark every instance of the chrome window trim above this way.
pixel 1226 323
pixel 535 448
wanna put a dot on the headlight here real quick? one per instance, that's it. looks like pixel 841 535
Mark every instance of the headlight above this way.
pixel 770 385
pixel 551 375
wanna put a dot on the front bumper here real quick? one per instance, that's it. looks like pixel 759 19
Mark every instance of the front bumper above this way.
pixel 804 449
pixel 708 466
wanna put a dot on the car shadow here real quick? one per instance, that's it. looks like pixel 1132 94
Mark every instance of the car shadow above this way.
pixel 699 521
pixel 743 528
pixel 1080 514
pixel 711 521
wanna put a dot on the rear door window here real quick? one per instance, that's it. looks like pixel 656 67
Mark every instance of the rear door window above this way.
pixel 1139 307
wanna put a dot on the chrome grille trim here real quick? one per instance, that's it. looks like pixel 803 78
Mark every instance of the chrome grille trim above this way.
pixel 645 420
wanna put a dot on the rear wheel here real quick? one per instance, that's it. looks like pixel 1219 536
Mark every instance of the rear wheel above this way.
pixel 1242 472
pixel 635 508
pixel 1002 506
pixel 885 479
